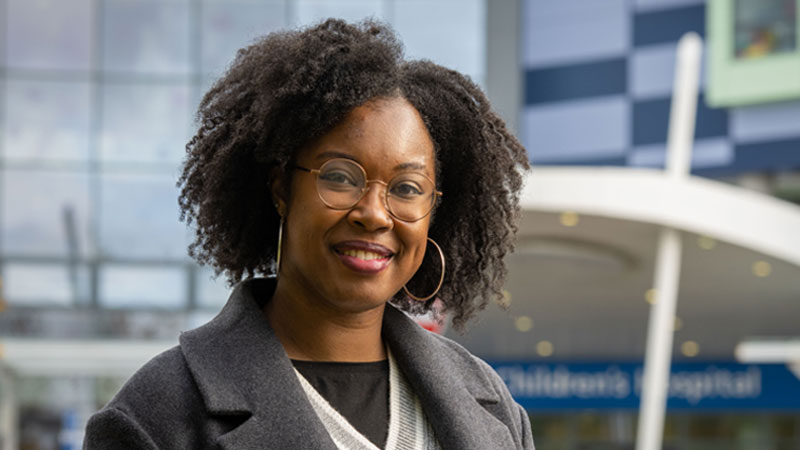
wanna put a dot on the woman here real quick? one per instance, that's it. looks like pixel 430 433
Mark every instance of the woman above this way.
pixel 364 185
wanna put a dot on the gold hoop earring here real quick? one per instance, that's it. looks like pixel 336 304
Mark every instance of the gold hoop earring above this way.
pixel 441 278
pixel 278 255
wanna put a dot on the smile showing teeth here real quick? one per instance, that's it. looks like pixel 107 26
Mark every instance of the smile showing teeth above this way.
pixel 360 254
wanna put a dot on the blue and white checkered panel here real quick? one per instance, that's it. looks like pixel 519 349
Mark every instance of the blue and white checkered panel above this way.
pixel 765 122
pixel 651 70
pixel 707 153
pixel 598 81
pixel 574 53
pixel 595 128
pixel 558 33
pixel 657 5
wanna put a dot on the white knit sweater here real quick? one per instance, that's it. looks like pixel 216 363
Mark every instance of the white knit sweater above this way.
pixel 408 428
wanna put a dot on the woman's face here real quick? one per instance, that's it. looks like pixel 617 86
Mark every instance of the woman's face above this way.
pixel 356 259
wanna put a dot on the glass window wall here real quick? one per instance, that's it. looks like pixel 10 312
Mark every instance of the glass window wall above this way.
pixel 97 106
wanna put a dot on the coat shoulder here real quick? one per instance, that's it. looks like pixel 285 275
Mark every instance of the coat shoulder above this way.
pixel 163 385
pixel 500 403
pixel 464 361
pixel 158 399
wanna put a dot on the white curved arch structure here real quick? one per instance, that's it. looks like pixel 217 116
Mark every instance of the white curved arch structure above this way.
pixel 728 213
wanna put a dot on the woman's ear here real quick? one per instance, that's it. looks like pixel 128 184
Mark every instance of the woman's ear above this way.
pixel 279 190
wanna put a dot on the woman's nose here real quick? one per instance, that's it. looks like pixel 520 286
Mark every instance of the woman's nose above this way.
pixel 370 212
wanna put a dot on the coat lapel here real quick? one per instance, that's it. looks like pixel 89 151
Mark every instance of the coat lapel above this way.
pixel 246 378
pixel 455 393
pixel 243 374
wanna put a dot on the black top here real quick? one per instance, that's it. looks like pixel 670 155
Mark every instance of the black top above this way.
pixel 358 391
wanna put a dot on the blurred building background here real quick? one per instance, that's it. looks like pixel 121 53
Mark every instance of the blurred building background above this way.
pixel 97 103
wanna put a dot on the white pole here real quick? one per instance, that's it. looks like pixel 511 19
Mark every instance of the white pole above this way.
pixel 668 260
pixel 9 424
pixel 683 110
pixel 659 342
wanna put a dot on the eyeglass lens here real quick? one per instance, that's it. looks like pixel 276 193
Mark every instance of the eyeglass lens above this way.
pixel 341 184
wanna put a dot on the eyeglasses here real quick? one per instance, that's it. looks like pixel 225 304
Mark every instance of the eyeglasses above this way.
pixel 342 183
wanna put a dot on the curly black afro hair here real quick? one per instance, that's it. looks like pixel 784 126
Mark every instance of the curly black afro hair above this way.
pixel 291 87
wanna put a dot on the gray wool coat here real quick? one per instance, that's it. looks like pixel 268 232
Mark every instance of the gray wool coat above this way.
pixel 230 385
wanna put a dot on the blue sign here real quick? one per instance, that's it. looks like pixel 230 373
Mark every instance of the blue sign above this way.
pixel 707 386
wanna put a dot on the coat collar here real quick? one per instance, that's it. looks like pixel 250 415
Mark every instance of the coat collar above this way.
pixel 242 371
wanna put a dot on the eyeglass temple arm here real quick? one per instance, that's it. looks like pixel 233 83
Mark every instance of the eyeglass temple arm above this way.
pixel 306 170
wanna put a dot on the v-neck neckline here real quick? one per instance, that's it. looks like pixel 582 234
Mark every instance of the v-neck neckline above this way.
pixel 407 428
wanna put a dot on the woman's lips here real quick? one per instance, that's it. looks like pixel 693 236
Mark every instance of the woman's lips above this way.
pixel 363 257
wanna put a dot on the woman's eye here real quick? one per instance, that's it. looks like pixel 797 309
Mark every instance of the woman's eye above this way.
pixel 338 177
pixel 407 190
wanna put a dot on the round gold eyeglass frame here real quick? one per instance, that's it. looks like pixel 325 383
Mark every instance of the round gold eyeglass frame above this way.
pixel 435 195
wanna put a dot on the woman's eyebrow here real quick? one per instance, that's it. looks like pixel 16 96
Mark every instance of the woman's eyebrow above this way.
pixel 410 165
pixel 333 154
pixel 330 154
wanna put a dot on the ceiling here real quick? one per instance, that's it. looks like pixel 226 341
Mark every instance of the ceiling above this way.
pixel 584 286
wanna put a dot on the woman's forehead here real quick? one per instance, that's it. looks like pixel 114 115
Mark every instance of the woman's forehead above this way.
pixel 387 133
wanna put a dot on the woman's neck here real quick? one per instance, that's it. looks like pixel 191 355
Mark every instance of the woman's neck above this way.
pixel 311 330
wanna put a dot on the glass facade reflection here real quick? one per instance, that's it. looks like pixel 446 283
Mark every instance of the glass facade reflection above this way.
pixel 97 107
pixel 49 34
pixel 60 107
